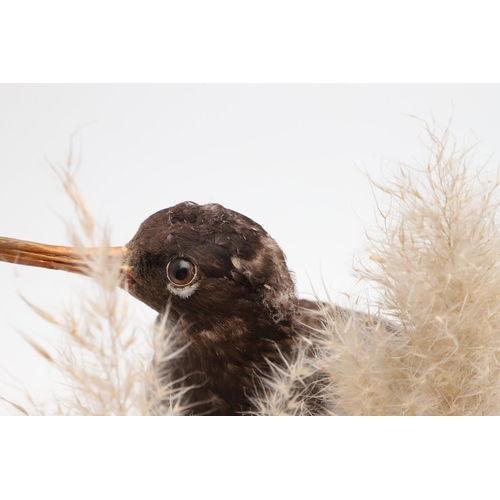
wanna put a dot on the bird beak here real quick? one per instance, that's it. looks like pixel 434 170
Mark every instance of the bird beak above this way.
pixel 29 253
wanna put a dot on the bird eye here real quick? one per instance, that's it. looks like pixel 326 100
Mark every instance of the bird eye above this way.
pixel 181 272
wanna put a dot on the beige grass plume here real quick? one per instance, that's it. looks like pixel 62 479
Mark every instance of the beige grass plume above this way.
pixel 437 270
pixel 108 365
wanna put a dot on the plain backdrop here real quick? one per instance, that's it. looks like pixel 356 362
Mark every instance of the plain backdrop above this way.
pixel 293 157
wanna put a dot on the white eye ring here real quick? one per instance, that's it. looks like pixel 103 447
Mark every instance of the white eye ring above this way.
pixel 183 292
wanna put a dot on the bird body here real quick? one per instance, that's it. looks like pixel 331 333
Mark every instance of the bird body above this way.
pixel 239 311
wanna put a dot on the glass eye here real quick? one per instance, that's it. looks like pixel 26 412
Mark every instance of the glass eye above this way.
pixel 181 272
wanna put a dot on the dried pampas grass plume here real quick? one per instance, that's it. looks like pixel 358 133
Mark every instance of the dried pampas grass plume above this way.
pixel 437 269
pixel 104 360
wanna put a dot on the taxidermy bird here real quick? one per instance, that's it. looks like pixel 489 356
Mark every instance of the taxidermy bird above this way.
pixel 223 282
pixel 248 345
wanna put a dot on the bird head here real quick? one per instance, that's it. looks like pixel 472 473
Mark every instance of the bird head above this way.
pixel 201 262
pixel 206 260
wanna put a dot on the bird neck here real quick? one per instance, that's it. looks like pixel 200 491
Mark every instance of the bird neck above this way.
pixel 223 357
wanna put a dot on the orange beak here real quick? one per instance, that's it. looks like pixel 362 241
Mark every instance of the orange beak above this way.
pixel 29 253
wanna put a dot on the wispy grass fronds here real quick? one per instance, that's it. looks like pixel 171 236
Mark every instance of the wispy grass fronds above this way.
pixel 168 395
pixel 358 355
pixel 437 270
pixel 85 227
pixel 104 359
pixel 286 389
